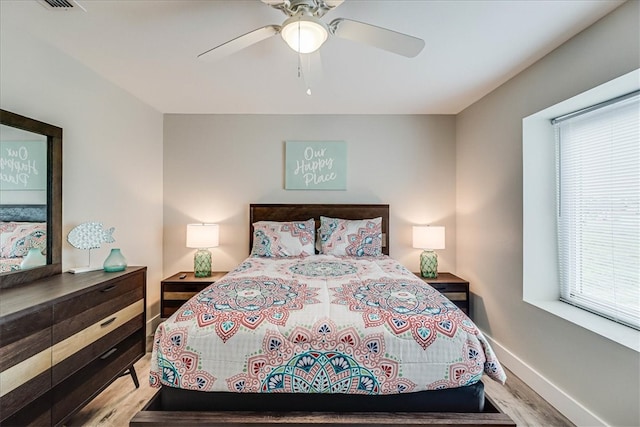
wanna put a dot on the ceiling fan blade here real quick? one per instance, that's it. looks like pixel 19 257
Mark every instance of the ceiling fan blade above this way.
pixel 324 6
pixel 317 8
pixel 281 5
pixel 333 3
pixel 239 43
pixel 330 3
pixel 379 37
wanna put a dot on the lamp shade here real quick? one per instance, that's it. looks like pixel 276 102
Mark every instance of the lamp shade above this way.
pixel 428 237
pixel 200 236
pixel 304 34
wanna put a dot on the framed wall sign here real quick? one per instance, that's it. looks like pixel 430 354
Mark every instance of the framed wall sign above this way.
pixel 315 165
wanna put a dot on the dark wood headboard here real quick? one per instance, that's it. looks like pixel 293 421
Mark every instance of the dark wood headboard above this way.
pixel 302 212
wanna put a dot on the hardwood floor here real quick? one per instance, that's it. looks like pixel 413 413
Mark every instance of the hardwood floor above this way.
pixel 522 404
pixel 116 405
pixel 119 402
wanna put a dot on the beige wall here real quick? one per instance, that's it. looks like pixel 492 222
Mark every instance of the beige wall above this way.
pixel 112 149
pixel 597 373
pixel 216 165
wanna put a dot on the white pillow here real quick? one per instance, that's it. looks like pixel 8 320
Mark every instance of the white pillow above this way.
pixel 283 239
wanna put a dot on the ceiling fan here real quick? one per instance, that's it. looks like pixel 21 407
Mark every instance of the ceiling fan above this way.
pixel 305 32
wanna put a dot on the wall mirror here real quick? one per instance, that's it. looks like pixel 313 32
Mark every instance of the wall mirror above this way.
pixel 30 199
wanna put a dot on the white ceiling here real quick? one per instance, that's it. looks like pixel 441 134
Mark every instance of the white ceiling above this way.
pixel 149 48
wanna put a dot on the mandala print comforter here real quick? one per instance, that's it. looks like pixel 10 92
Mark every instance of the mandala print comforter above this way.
pixel 320 324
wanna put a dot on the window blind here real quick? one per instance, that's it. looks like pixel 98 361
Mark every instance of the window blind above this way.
pixel 598 215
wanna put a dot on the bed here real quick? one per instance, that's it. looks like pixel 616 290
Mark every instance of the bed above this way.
pixel 22 227
pixel 320 319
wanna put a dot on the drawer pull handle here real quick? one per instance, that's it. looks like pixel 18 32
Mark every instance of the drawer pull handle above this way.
pixel 108 353
pixel 108 322
pixel 109 288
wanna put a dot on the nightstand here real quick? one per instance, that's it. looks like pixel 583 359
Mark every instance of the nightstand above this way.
pixel 175 291
pixel 452 287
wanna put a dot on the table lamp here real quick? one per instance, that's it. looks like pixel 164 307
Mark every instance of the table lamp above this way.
pixel 428 238
pixel 202 237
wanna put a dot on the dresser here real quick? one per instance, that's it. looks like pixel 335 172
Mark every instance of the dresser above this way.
pixel 64 339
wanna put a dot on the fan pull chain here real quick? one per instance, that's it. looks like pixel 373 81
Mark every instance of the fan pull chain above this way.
pixel 300 71
pixel 299 54
pixel 302 75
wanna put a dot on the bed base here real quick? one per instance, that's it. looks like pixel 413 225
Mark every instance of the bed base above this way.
pixel 174 411
pixel 154 415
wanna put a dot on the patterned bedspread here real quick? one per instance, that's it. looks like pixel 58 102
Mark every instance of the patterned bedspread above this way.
pixel 10 264
pixel 320 324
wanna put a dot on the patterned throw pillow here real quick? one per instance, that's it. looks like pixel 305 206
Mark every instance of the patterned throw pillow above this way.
pixel 16 238
pixel 351 237
pixel 283 239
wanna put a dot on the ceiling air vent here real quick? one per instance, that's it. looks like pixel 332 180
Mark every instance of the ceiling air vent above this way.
pixel 61 4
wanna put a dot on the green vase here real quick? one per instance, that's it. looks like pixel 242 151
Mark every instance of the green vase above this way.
pixel 429 264
pixel 115 261
pixel 202 263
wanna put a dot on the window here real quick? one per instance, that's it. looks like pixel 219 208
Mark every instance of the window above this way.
pixel 598 208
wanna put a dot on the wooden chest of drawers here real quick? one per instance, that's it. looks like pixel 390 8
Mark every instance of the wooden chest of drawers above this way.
pixel 452 287
pixel 174 291
pixel 64 339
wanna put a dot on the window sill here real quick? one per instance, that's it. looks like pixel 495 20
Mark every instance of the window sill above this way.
pixel 609 329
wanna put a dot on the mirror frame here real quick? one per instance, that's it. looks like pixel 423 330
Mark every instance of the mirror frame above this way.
pixel 54 199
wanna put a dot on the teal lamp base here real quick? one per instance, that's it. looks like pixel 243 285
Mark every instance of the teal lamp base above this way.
pixel 429 264
pixel 202 263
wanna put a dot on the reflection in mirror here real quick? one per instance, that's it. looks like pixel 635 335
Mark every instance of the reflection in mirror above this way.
pixel 23 196
pixel 30 199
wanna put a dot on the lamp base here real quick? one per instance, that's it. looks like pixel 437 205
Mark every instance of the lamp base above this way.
pixel 429 264
pixel 202 263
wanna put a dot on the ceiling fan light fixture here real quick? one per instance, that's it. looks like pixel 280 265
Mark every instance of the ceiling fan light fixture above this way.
pixel 304 34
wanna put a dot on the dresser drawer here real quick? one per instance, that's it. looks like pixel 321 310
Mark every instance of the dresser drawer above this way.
pixel 25 359
pixel 449 287
pixel 22 336
pixel 174 295
pixel 455 296
pixel 76 391
pixel 76 361
pixel 65 327
pixel 36 414
pixel 68 343
pixel 184 287
pixel 105 293
pixel 16 399
pixel 170 307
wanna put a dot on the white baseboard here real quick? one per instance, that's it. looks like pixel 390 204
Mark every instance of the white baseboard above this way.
pixel 569 407
pixel 152 324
